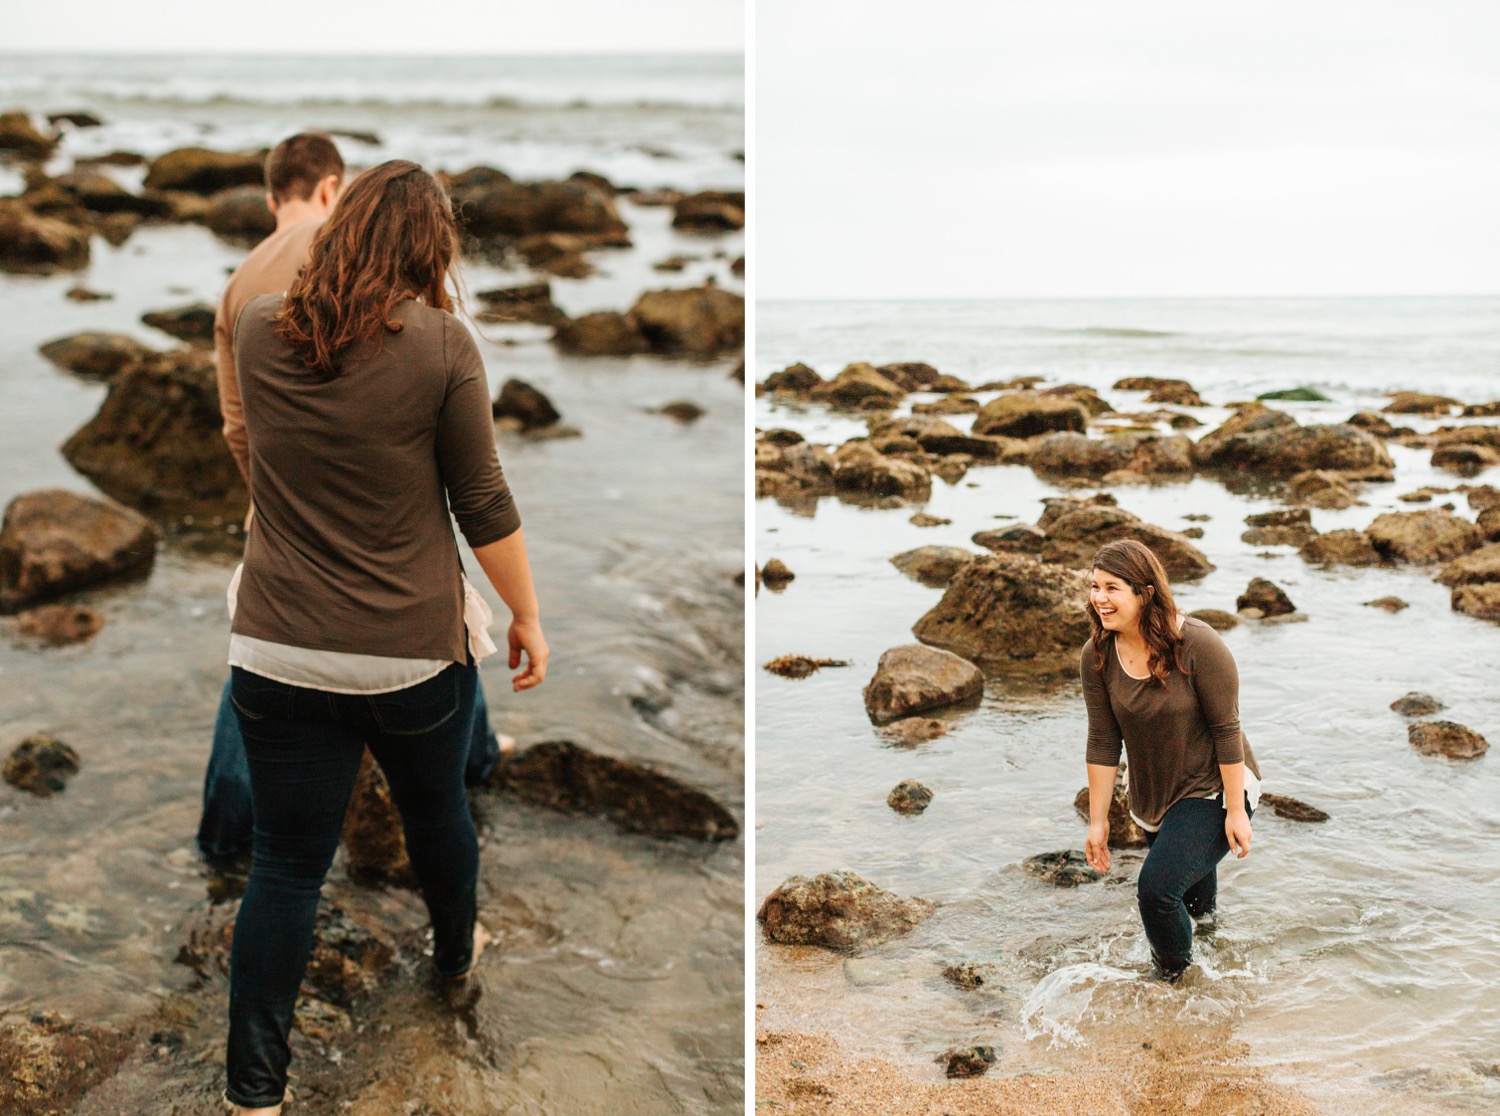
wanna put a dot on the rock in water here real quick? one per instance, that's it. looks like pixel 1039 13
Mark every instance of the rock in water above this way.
pixel 602 333
pixel 51 1061
pixel 1445 738
pixel 711 211
pixel 909 797
pixel 1266 596
pixel 1258 439
pixel 795 379
pixel 967 1061
pixel 491 205
pixel 1011 614
pixel 800 666
pixel 1019 538
pixel 911 731
pixel 156 442
pixel 776 572
pixel 1217 619
pixel 1344 547
pixel 96 356
pixel 1067 868
pixel 193 323
pixel 838 910
pixel 527 302
pixel 241 214
pixel 1282 527
pixel 1415 704
pixel 31 243
pixel 374 843
pixel 1075 536
pixel 1291 808
pixel 933 565
pixel 20 136
pixel 59 625
pixel 1427 536
pixel 525 405
pixel 1388 604
pixel 197 170
pixel 563 776
pixel 1321 488
pixel 913 678
pixel 1123 832
pixel 53 541
pixel 1028 414
pixel 41 765
pixel 969 976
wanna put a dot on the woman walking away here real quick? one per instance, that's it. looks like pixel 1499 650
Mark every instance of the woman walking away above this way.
pixel 368 416
pixel 1165 684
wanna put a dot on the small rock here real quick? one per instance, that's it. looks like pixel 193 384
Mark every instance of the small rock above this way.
pixel 1067 868
pixel 838 910
pixel 967 1061
pixel 1321 488
pixel 909 797
pixel 1345 547
pixel 321 1021
pixel 910 731
pixel 524 405
pixel 681 410
pixel 913 677
pixel 776 572
pixel 83 294
pixel 970 976
pixel 1418 403
pixel 1216 619
pixel 59 625
pixel 1295 395
pixel 800 666
pixel 1265 596
pixel 1192 532
pixel 1389 604
pixel 1416 704
pixel 193 323
pixel 1123 832
pixel 922 519
pixel 41 765
pixel 933 566
pixel 1445 738
pixel 1291 808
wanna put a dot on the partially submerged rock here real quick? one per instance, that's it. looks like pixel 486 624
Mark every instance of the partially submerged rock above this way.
pixel 710 211
pixel 1445 738
pixel 53 541
pixel 240 214
pixel 776 572
pixel 699 322
pixel 32 243
pixel 193 323
pixel 1074 537
pixel 1387 604
pixel 1344 547
pixel 970 976
pixel 1321 488
pixel 41 765
pixel 1416 704
pixel 200 171
pixel 1217 619
pixel 96 356
pixel 913 678
pixel 1295 395
pixel 909 797
pixel 59 625
pixel 859 467
pixel 1018 538
pixel 524 406
pixel 800 666
pixel 1029 414
pixel 1421 537
pixel 795 379
pixel 911 731
pixel 1067 868
pixel 1419 403
pixel 601 333
pixel 20 136
pixel 858 386
pixel 1123 832
pixel 1258 439
pixel 564 776
pixel 524 302
pixel 838 910
pixel 967 1061
pixel 491 205
pixel 1283 527
pixel 1291 808
pixel 1265 596
pixel 1162 390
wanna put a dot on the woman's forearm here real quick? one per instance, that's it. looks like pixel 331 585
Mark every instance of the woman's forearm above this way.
pixel 1233 775
pixel 1101 792
pixel 504 563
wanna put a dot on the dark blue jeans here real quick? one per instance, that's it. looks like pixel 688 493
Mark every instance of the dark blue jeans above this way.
pixel 304 748
pixel 227 825
pixel 1179 880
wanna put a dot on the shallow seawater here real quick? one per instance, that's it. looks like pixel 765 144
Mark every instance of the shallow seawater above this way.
pixel 1353 956
pixel 617 973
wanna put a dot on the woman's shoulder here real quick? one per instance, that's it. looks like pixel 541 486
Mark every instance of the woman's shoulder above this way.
pixel 1200 639
pixel 259 316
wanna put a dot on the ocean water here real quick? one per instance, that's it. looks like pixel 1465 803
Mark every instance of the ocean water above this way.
pixel 1356 957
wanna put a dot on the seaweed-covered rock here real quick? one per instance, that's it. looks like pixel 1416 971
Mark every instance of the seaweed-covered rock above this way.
pixel 1265 596
pixel 1445 738
pixel 51 1061
pixel 912 679
pixel 1073 539
pixel 1011 614
pixel 1029 414
pixel 1421 537
pixel 197 170
pixel 96 356
pixel 698 322
pixel 53 541
pixel 909 797
pixel 524 405
pixel 30 242
pixel 562 775
pixel 1067 868
pixel 838 910
pixel 41 765
pixel 970 976
pixel 967 1061
pixel 1294 395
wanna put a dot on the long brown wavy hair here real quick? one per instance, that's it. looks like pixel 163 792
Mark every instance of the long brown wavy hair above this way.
pixel 1134 564
pixel 390 238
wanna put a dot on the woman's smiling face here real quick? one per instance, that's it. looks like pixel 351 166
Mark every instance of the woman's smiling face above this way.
pixel 1117 604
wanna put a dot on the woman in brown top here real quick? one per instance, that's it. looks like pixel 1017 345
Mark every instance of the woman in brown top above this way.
pixel 1165 685
pixel 368 416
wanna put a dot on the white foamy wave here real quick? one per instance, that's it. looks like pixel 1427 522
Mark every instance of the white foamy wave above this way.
pixel 1064 1000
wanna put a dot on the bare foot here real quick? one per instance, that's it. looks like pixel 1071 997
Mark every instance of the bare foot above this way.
pixel 241 1110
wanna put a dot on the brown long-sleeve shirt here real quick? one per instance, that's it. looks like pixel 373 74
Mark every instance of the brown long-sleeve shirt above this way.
pixel 1176 735
pixel 268 269
pixel 351 548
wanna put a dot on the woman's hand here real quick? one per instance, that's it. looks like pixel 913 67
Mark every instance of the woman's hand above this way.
pixel 1237 829
pixel 1096 847
pixel 527 637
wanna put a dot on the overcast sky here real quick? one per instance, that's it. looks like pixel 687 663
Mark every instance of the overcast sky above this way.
pixel 1078 148
pixel 378 26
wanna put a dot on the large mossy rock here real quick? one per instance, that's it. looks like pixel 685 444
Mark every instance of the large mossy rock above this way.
pixel 838 910
pixel 1011 615
pixel 53 541
pixel 1260 440
pixel 912 679
pixel 196 170
pixel 156 443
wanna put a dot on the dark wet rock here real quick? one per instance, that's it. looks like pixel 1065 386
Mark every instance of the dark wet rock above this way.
pixel 1029 414
pixel 967 1061
pixel 922 519
pixel 53 542
pixel 858 385
pixel 156 442
pixel 1376 424
pixel 1067 868
pixel 1217 619
pixel 1388 604
pixel 1465 460
pixel 1282 527
pixel 1123 832
pixel 860 467
pixel 1264 599
pixel 374 843
pixel 1292 809
pixel 1011 614
pixel 1445 738
pixel 1321 488
pixel 1423 536
pixel 1488 522
pixel 96 356
pixel 911 731
pixel 1419 403
pixel 710 211
pixel 84 294
pixel 523 405
pixel 798 379
pixel 1087 397
pixel 199 171
pixel 1192 532
pixel 776 571
pixel 681 410
pixel 839 911
pixel 560 254
pixel 948 405
pixel 602 333
pixel 1479 601
pixel 1178 392
pixel 1294 395
pixel 1020 538
pixel 526 302
pixel 913 678
pixel 914 375
pixel 786 471
pixel 1055 507
pixel 77 119
pixel 240 214
pixel 970 976
pixel 1071 454
pixel 1261 440
pixel 60 625
pixel 800 666
pixel 193 323
pixel 779 436
pixel 41 765
pixel 673 263
pixel 698 322
pixel 1344 547
pixel 1416 704
pixel 934 435
pixel 909 797
pixel 933 565
pixel 30 242
pixel 564 776
pixel 19 135
pixel 51 1061
pixel 489 206
pixel 1074 538
pixel 99 193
